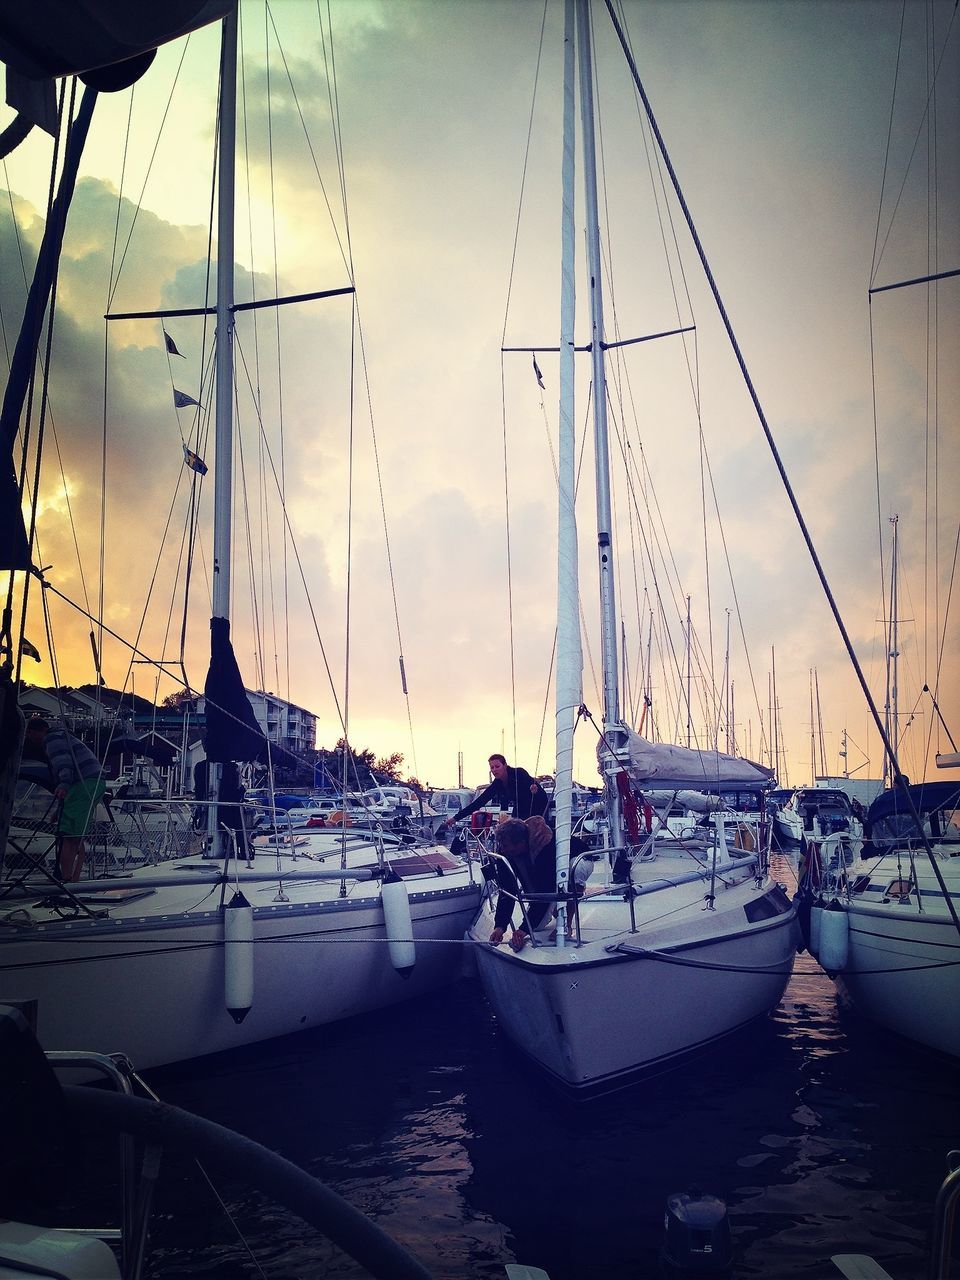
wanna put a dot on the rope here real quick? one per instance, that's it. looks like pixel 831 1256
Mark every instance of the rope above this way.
pixel 761 971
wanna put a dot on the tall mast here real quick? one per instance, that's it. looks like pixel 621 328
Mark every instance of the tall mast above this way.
pixel 223 469
pixel 893 653
pixel 223 461
pixel 689 648
pixel 726 693
pixel 823 750
pixel 733 721
pixel 775 716
pixel 612 724
pixel 569 658
pixel 648 702
pixel 611 693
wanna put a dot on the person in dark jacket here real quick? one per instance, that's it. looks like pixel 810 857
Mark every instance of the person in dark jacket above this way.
pixel 512 788
pixel 530 852
pixel 517 868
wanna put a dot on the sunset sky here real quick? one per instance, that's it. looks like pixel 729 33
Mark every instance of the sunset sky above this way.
pixel 818 159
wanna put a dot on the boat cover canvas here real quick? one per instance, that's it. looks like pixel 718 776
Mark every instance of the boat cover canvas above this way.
pixel 232 729
pixel 926 797
pixel 666 766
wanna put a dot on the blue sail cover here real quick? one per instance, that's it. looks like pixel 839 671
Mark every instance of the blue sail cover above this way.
pixel 232 730
pixel 926 797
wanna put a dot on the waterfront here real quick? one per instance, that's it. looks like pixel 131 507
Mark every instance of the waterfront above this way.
pixel 822 1135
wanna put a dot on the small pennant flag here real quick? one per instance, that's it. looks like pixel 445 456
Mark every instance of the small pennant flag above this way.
pixel 29 650
pixel 194 461
pixel 172 346
pixel 182 401
pixel 536 370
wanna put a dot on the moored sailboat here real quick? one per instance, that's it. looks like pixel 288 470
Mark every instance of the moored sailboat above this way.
pixel 664 957
pixel 186 957
pixel 885 927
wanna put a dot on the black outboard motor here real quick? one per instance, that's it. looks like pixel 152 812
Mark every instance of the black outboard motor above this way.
pixel 696 1233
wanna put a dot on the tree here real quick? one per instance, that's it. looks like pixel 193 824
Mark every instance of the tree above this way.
pixel 178 698
pixel 389 766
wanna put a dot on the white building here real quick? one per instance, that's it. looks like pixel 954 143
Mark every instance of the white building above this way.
pixel 284 722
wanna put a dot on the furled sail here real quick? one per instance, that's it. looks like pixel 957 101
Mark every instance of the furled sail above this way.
pixel 669 767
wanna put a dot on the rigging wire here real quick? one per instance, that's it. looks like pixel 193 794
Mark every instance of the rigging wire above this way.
pixel 655 168
pixel 299 562
pixel 153 155
pixel 503 391
pixel 778 461
pixel 72 120
pixel 357 334
pixel 265 541
pixel 280 421
pixel 878 257
pixel 27 487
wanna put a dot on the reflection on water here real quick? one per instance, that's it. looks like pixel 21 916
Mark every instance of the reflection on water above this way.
pixel 821 1138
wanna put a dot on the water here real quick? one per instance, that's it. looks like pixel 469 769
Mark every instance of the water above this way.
pixel 823 1136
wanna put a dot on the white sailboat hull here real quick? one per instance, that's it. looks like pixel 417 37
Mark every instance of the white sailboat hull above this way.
pixel 148 979
pixel 597 1015
pixel 903 972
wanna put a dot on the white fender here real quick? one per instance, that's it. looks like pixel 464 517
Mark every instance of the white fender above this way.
pixel 396 916
pixel 816 917
pixel 834 938
pixel 238 957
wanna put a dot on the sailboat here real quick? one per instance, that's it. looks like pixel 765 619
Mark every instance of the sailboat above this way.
pixel 885 924
pixel 664 957
pixel 885 928
pixel 196 955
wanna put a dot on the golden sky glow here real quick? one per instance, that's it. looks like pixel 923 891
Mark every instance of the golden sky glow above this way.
pixel 776 114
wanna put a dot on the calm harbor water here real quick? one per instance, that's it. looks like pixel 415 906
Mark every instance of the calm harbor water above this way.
pixel 822 1135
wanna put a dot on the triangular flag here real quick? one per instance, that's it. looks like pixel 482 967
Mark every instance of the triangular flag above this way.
pixel 194 461
pixel 172 346
pixel 29 650
pixel 182 401
pixel 536 370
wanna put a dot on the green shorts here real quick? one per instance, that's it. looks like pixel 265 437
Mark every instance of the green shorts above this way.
pixel 79 804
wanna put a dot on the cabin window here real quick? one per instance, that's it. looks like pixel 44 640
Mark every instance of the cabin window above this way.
pixel 898 888
pixel 774 903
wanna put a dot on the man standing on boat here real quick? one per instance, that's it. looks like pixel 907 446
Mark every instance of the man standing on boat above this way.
pixel 78 784
pixel 512 788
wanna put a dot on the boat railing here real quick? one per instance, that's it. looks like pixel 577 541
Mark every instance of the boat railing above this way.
pixel 115 1071
pixel 521 897
pixel 944 1218
pixel 527 898
pixel 128 833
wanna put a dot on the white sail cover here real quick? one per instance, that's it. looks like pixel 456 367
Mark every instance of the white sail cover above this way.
pixel 668 767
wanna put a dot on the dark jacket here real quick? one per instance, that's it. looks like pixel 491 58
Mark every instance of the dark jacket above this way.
pixel 512 794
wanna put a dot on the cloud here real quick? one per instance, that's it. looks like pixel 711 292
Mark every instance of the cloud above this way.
pixel 780 149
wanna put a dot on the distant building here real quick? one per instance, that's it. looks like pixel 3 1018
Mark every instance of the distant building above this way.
pixel 86 710
pixel 865 790
pixel 284 722
pixel 94 713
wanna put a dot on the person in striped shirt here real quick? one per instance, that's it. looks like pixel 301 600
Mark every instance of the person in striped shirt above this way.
pixel 78 782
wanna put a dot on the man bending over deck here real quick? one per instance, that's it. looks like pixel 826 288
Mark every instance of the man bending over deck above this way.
pixel 512 788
